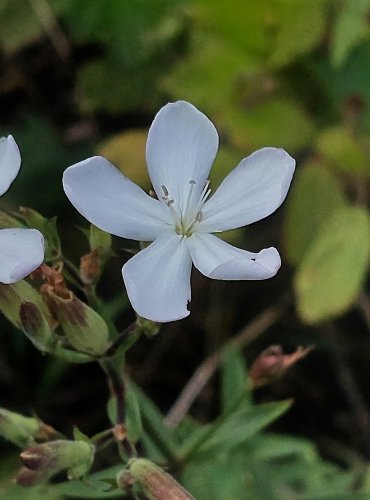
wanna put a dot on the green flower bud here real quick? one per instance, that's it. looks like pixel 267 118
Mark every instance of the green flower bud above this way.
pixel 84 329
pixel 148 327
pixel 75 457
pixel 22 430
pixel 13 296
pixel 36 327
pixel 101 242
pixel 155 483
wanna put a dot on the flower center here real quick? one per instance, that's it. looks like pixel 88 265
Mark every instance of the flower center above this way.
pixel 187 217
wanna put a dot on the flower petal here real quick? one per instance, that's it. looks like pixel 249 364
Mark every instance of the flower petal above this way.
pixel 21 252
pixel 219 260
pixel 10 162
pixel 157 279
pixel 182 144
pixel 252 191
pixel 110 201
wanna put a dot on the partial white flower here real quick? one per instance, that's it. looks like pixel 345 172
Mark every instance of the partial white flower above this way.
pixel 181 147
pixel 21 249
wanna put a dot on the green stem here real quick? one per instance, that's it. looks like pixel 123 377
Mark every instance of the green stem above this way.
pixel 126 338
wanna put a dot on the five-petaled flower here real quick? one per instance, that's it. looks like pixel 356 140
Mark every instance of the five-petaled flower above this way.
pixel 182 144
pixel 21 249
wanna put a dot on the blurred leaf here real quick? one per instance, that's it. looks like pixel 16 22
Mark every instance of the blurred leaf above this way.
pixel 247 25
pixel 15 492
pixel 19 25
pixel 94 486
pixel 347 87
pixel 341 151
pixel 315 194
pixel 333 270
pixel 127 151
pixel 276 122
pixel 299 27
pixel 207 76
pixel 234 379
pixel 351 27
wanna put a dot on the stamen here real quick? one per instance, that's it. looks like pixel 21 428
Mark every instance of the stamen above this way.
pixel 199 216
pixel 170 202
pixel 165 190
pixel 188 201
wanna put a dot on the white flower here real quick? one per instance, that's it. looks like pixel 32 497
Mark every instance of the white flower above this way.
pixel 181 147
pixel 21 249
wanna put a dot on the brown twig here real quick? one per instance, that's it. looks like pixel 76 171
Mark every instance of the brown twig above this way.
pixel 350 389
pixel 204 372
pixel 51 26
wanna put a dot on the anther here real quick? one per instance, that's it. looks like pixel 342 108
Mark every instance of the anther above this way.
pixel 192 181
pixel 199 216
pixel 165 190
pixel 170 202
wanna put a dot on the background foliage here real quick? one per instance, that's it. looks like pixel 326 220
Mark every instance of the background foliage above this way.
pixel 84 77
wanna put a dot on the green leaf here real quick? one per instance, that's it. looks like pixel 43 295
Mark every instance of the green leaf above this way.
pixel 255 128
pixel 158 439
pixel 341 152
pixel 95 486
pixel 229 431
pixel 80 436
pixel 126 150
pixel 351 28
pixel 234 379
pixel 333 270
pixel 314 196
pixel 299 27
pixel 243 424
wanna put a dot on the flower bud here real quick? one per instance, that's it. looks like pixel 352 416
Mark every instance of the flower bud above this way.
pixel 27 477
pixel 155 483
pixel 14 295
pixel 16 428
pixel 272 363
pixel 90 267
pixel 125 480
pixel 36 327
pixel 148 327
pixel 75 457
pixel 22 430
pixel 84 329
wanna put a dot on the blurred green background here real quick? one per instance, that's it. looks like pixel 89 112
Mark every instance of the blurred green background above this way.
pixel 80 78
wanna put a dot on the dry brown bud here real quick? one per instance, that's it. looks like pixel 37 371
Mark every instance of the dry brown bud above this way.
pixel 272 363
pixel 90 267
pixel 38 458
pixel 27 477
